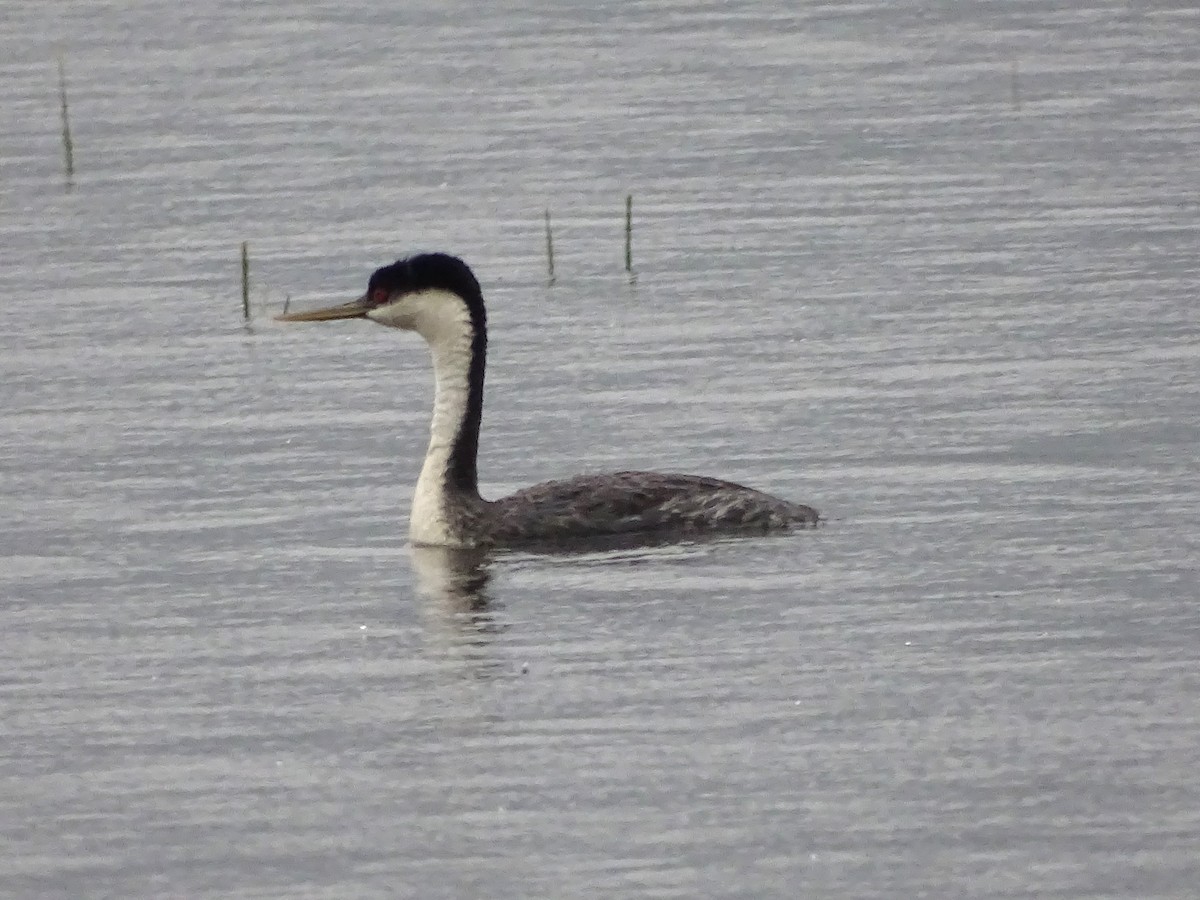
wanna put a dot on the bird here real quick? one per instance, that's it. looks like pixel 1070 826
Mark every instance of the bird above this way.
pixel 438 296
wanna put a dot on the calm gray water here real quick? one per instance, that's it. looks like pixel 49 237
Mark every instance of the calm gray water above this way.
pixel 931 268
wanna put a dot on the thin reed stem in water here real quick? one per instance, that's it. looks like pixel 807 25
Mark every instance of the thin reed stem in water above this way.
pixel 68 145
pixel 246 280
pixel 629 233
pixel 549 248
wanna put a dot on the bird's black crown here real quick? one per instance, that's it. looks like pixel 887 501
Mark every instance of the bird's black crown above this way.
pixel 424 272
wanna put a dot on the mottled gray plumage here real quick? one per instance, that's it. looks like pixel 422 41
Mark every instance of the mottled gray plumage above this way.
pixel 439 297
pixel 626 503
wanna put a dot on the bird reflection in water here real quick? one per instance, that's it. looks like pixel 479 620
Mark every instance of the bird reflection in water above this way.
pixel 453 586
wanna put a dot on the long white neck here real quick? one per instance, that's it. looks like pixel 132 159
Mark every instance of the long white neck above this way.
pixel 432 504
pixel 445 323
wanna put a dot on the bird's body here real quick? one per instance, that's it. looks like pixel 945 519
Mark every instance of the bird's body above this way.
pixel 438 297
pixel 622 504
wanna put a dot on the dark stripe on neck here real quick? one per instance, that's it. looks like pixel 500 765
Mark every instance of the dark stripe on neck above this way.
pixel 462 473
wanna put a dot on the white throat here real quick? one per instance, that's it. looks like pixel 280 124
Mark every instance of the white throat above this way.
pixel 442 318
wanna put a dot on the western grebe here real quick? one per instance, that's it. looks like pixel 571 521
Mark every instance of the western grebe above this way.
pixel 438 297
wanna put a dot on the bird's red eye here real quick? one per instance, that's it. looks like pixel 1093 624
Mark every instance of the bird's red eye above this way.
pixel 379 296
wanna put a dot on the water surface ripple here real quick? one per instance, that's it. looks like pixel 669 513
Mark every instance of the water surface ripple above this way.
pixel 931 269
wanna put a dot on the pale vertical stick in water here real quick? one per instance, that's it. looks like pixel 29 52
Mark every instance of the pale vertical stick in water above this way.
pixel 629 233
pixel 68 146
pixel 549 248
pixel 246 280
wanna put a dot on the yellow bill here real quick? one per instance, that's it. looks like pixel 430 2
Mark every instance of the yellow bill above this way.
pixel 355 309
